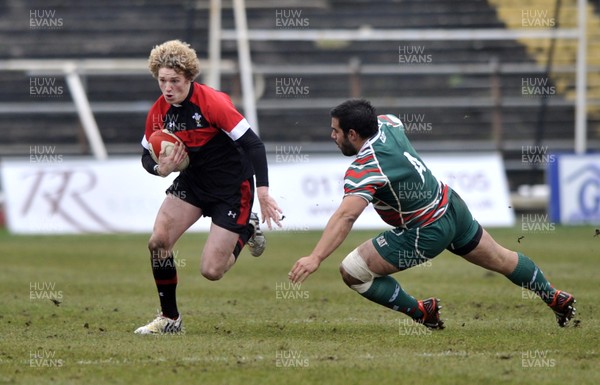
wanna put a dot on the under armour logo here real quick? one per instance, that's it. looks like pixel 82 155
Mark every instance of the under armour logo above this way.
pixel 231 214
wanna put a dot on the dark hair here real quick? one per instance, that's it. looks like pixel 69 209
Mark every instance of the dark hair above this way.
pixel 356 114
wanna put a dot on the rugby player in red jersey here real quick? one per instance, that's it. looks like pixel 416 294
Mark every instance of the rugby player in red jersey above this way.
pixel 427 217
pixel 224 155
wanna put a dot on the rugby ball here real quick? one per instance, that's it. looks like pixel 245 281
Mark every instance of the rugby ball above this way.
pixel 163 140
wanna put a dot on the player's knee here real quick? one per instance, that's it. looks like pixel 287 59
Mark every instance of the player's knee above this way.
pixel 211 273
pixel 347 278
pixel 157 247
pixel 355 272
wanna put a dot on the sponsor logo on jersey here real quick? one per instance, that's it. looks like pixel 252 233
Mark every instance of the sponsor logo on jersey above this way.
pixel 381 241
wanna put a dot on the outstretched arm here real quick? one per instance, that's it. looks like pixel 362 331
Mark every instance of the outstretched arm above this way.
pixel 337 229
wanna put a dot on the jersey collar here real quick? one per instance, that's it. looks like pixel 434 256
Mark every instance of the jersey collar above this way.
pixel 369 142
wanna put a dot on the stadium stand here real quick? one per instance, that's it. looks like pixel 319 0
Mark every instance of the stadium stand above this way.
pixel 460 104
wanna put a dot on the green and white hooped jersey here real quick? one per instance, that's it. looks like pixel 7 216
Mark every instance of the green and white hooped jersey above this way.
pixel 389 173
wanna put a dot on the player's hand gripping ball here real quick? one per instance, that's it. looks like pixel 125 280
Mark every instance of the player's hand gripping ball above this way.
pixel 164 140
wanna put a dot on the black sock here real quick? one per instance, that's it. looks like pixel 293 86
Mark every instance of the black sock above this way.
pixel 165 276
pixel 239 245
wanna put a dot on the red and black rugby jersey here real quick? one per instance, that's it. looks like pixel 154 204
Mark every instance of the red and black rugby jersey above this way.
pixel 208 124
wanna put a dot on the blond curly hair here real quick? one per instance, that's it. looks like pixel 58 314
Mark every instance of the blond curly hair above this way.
pixel 177 55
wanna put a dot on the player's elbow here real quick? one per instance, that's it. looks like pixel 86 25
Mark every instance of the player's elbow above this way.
pixel 147 162
pixel 348 217
pixel 351 217
pixel 350 213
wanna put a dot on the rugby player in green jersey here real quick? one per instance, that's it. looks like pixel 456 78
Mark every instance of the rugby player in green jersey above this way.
pixel 427 217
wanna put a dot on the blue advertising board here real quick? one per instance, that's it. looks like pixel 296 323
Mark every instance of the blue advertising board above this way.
pixel 575 189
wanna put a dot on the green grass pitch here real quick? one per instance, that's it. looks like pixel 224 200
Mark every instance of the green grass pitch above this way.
pixel 253 327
